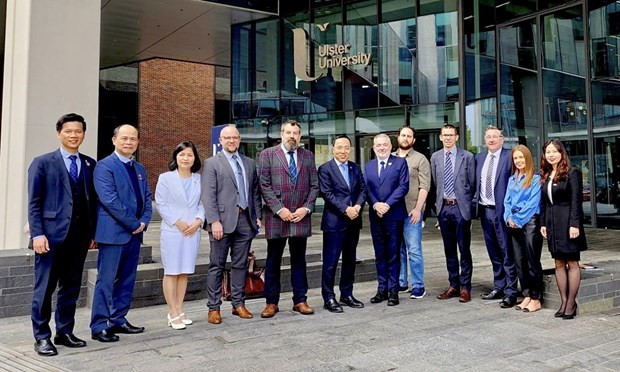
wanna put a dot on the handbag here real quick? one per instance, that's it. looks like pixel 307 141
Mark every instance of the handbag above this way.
pixel 254 281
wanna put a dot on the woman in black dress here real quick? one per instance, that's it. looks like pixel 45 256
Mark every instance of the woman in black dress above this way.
pixel 562 221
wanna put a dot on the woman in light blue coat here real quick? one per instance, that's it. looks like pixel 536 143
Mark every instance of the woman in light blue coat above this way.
pixel 522 215
pixel 177 198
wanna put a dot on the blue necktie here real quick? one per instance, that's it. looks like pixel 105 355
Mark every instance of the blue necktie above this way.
pixel 382 170
pixel 449 176
pixel 292 168
pixel 345 174
pixel 489 181
pixel 243 200
pixel 73 170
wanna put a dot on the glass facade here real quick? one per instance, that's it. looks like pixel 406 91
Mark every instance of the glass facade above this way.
pixel 538 69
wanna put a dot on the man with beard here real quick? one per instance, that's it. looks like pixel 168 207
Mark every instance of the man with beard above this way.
pixel 419 186
pixel 290 186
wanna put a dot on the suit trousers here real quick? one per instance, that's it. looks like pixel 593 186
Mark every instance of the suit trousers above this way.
pixel 387 238
pixel 499 247
pixel 299 279
pixel 62 266
pixel 116 278
pixel 238 243
pixel 527 244
pixel 456 235
pixel 335 243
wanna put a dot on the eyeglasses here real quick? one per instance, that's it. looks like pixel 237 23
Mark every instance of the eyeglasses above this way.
pixel 230 138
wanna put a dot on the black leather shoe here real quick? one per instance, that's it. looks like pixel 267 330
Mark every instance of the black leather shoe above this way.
pixel 127 328
pixel 68 340
pixel 351 302
pixel 508 302
pixel 379 297
pixel 45 347
pixel 493 295
pixel 332 306
pixel 393 299
pixel 105 336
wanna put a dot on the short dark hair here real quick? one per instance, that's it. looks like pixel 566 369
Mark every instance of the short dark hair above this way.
pixel 339 137
pixel 180 147
pixel 66 118
pixel 408 127
pixel 449 126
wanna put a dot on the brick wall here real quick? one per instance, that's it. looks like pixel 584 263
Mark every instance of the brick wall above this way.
pixel 176 103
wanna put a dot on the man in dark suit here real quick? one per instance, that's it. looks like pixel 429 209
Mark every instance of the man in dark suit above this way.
pixel 387 180
pixel 454 172
pixel 493 169
pixel 62 218
pixel 343 188
pixel 290 186
pixel 124 212
pixel 232 203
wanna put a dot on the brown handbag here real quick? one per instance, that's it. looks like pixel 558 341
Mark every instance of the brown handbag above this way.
pixel 254 281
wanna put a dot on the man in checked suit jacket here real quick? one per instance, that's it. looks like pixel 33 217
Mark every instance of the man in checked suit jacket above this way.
pixel 62 213
pixel 232 220
pixel 289 185
pixel 453 203
pixel 124 212
pixel 343 188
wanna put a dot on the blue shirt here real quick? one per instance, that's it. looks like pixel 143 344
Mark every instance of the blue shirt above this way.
pixel 521 204
pixel 65 157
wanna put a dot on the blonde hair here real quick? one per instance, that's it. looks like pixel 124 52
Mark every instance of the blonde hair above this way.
pixel 529 164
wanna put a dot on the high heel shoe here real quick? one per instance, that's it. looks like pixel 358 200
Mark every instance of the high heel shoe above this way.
pixel 559 314
pixel 185 320
pixel 570 316
pixel 171 322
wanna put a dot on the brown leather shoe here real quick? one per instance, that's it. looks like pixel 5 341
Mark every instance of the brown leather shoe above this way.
pixel 303 308
pixel 214 317
pixel 269 311
pixel 465 296
pixel 242 312
pixel 448 293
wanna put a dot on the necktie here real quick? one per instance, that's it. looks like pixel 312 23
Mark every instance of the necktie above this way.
pixel 345 174
pixel 489 181
pixel 292 168
pixel 382 169
pixel 243 200
pixel 73 170
pixel 449 176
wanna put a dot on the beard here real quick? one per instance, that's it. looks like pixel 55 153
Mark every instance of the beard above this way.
pixel 405 147
pixel 290 145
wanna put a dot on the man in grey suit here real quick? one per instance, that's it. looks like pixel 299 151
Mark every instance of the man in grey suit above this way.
pixel 454 172
pixel 231 199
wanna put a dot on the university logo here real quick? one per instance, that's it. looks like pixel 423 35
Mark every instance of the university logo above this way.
pixel 330 55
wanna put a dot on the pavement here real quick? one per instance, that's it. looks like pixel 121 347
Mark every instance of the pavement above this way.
pixel 424 334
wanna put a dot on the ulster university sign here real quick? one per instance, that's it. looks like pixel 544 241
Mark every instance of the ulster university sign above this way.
pixel 330 55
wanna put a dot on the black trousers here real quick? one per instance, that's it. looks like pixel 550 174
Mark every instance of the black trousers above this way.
pixel 527 245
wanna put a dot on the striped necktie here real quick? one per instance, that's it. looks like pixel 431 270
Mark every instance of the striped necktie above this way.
pixel 449 176
pixel 292 168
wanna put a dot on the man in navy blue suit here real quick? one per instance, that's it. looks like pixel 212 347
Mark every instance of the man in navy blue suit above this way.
pixel 454 172
pixel 387 180
pixel 493 169
pixel 124 212
pixel 62 219
pixel 343 188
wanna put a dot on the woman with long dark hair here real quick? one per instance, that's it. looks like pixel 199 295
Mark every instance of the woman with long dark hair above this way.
pixel 177 197
pixel 562 221
pixel 521 213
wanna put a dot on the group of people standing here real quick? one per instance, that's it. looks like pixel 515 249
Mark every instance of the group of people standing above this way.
pixel 76 204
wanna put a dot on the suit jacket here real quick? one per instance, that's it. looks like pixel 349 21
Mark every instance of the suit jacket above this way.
pixel 565 212
pixel 279 192
pixel 50 200
pixel 220 192
pixel 464 180
pixel 117 214
pixel 504 171
pixel 391 188
pixel 172 203
pixel 338 196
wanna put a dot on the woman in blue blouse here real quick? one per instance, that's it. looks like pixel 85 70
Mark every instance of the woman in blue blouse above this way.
pixel 521 213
